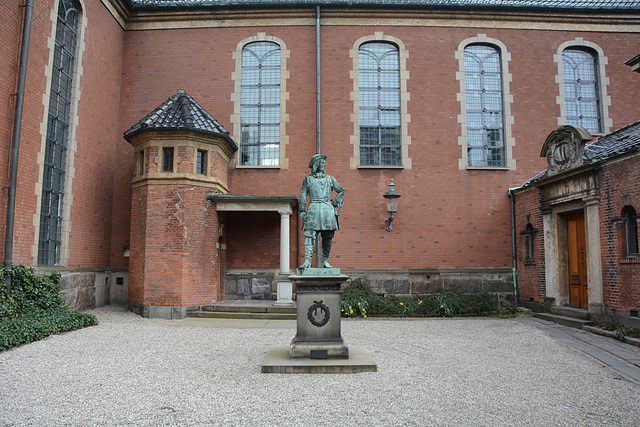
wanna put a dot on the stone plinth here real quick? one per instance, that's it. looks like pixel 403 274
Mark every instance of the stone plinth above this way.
pixel 318 315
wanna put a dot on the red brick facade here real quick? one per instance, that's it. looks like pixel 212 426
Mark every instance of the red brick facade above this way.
pixel 450 219
pixel 621 274
pixel 606 186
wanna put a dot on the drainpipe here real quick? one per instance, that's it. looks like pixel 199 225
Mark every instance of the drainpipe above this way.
pixel 318 80
pixel 513 245
pixel 15 142
pixel 318 127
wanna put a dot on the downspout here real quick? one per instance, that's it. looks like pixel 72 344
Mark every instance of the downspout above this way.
pixel 318 127
pixel 513 246
pixel 318 80
pixel 15 142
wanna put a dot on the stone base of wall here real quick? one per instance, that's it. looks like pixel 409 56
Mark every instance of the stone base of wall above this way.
pixel 261 284
pixel 498 282
pixel 250 284
pixel 86 289
pixel 162 312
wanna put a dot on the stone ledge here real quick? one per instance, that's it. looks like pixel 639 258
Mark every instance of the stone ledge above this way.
pixel 277 361
pixel 611 334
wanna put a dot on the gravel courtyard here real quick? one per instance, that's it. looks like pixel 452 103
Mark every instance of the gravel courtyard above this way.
pixel 134 371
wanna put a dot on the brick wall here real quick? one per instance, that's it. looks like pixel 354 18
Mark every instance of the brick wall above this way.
pixel 174 259
pixel 97 130
pixel 531 273
pixel 620 275
pixel 448 218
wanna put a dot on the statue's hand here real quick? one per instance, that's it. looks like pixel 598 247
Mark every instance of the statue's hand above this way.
pixel 335 203
pixel 303 216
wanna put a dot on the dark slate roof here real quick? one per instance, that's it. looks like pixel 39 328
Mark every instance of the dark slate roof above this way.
pixel 180 112
pixel 619 142
pixel 458 4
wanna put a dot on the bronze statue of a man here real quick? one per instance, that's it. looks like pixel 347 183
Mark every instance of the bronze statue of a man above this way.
pixel 320 217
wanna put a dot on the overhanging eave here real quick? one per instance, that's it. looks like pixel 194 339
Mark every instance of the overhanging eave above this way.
pixel 245 203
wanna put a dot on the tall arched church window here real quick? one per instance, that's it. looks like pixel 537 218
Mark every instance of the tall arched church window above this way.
pixel 581 88
pixel 484 106
pixel 260 104
pixel 379 104
pixel 630 231
pixel 57 136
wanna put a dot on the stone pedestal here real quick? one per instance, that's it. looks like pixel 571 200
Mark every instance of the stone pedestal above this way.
pixel 318 315
pixel 284 292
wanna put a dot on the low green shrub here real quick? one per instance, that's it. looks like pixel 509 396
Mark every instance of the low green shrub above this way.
pixel 34 309
pixel 442 304
pixel 620 331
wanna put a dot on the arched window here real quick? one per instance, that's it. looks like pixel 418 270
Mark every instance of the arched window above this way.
pixel 581 88
pixel 630 231
pixel 484 105
pixel 57 137
pixel 260 104
pixel 379 104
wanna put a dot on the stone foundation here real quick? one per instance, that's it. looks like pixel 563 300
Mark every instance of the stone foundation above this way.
pixel 84 290
pixel 256 284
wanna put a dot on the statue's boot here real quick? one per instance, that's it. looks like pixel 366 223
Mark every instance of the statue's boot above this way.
pixel 326 250
pixel 308 252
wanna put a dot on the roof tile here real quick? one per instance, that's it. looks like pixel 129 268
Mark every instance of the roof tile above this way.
pixel 182 112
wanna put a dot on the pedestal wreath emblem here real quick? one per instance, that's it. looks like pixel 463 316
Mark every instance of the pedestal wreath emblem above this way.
pixel 316 311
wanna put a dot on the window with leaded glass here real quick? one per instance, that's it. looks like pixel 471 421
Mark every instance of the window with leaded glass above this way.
pixel 59 117
pixel 581 88
pixel 201 162
pixel 167 159
pixel 484 106
pixel 260 104
pixel 379 105
pixel 630 231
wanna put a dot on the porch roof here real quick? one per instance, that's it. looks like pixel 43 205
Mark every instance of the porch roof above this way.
pixel 246 203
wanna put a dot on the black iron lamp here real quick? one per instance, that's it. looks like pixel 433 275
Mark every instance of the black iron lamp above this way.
pixel 392 203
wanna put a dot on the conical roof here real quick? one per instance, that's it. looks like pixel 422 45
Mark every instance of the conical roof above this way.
pixel 181 112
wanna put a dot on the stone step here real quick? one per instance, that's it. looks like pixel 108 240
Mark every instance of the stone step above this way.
pixel 248 308
pixel 564 320
pixel 242 315
pixel 577 313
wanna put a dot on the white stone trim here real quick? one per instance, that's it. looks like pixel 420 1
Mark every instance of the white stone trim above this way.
pixel 507 100
pixel 72 145
pixel 235 118
pixel 603 82
pixel 405 117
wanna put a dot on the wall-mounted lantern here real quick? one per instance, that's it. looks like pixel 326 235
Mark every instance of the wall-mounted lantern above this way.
pixel 392 203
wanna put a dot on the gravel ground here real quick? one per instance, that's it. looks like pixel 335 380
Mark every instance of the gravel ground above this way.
pixel 134 371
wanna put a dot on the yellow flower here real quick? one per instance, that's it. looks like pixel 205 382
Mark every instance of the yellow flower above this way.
pixel 349 307
pixel 401 303
pixel 420 302
pixel 358 303
pixel 442 306
pixel 365 302
pixel 364 315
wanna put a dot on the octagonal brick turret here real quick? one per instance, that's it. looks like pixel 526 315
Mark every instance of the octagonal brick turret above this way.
pixel 182 153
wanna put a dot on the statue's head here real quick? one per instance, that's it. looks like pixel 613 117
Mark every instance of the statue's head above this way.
pixel 315 159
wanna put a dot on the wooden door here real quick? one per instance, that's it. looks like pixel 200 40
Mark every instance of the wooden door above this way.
pixel 578 289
